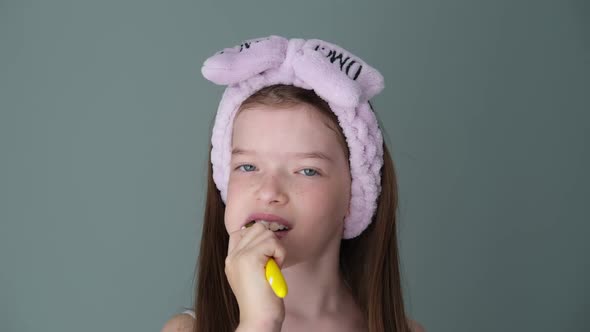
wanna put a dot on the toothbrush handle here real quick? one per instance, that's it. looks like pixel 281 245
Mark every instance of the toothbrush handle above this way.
pixel 275 278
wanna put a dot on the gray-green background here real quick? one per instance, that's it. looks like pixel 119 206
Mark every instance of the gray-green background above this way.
pixel 104 129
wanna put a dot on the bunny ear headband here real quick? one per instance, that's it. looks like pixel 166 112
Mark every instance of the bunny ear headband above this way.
pixel 337 76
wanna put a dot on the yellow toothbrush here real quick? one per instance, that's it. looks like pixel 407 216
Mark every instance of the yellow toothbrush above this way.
pixel 273 275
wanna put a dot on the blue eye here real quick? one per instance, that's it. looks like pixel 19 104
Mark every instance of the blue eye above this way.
pixel 246 167
pixel 310 172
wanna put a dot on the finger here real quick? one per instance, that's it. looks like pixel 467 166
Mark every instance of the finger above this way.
pixel 264 236
pixel 272 237
pixel 247 235
pixel 271 247
pixel 234 238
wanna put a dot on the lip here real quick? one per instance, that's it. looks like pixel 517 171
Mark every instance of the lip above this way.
pixel 268 217
pixel 281 235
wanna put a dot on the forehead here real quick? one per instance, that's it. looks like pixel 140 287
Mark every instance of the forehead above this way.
pixel 299 125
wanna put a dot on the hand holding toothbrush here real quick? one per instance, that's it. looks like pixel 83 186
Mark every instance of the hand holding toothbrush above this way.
pixel 250 267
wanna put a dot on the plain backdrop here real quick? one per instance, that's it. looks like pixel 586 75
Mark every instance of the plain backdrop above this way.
pixel 104 135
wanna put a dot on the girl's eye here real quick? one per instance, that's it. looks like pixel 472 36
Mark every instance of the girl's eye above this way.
pixel 310 172
pixel 246 167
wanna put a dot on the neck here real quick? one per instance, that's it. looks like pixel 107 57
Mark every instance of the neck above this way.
pixel 317 288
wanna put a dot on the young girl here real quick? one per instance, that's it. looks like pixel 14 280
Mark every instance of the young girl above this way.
pixel 296 145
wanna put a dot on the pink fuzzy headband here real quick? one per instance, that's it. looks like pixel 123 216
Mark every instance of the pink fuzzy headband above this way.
pixel 337 76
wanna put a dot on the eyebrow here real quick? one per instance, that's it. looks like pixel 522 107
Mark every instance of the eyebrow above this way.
pixel 300 155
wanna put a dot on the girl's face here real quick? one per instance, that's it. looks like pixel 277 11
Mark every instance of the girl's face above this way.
pixel 289 162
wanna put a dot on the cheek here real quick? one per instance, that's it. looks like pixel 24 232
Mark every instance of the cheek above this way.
pixel 235 202
pixel 238 183
pixel 330 200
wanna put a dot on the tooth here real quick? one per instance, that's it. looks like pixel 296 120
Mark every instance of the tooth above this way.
pixel 271 225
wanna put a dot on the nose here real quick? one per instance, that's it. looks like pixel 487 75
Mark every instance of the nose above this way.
pixel 271 191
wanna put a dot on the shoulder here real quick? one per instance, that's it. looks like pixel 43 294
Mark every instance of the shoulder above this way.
pixel 179 323
pixel 415 326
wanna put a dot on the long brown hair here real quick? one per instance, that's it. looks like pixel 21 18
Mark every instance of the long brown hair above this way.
pixel 369 262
